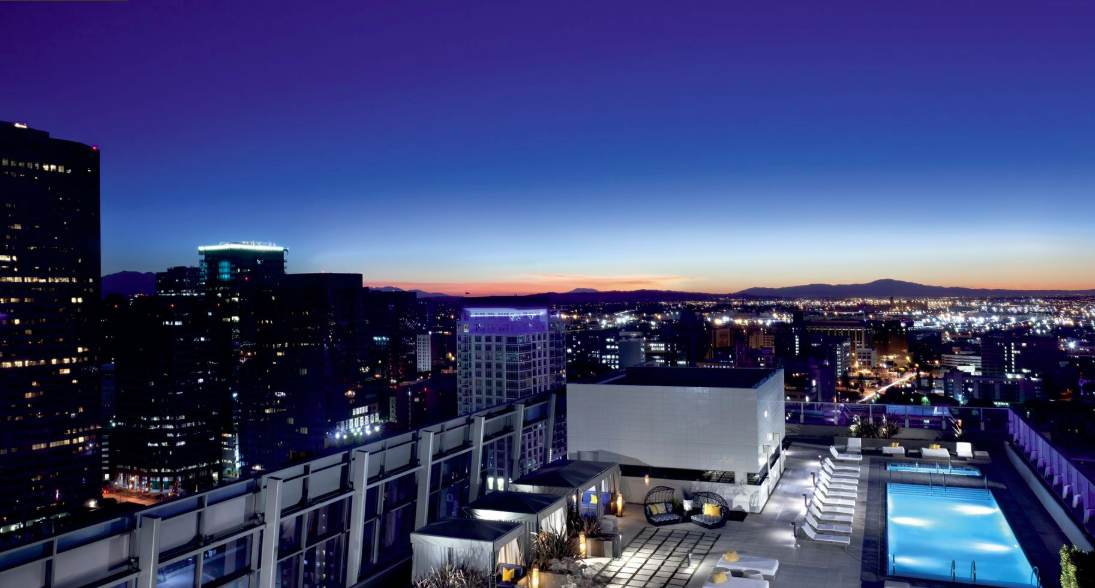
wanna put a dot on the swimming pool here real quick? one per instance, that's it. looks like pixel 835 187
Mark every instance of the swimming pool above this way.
pixel 934 469
pixel 927 528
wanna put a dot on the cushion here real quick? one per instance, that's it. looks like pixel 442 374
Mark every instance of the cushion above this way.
pixel 933 446
pixel 593 499
pixel 508 574
pixel 719 577
pixel 731 556
pixel 895 444
pixel 657 509
pixel 713 510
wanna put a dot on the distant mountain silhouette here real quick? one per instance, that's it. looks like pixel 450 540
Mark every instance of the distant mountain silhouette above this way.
pixel 589 295
pixel 897 289
pixel 418 293
pixel 129 284
pixel 583 291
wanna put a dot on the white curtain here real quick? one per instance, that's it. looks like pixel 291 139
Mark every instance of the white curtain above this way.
pixel 427 557
pixel 555 522
pixel 474 557
pixel 510 554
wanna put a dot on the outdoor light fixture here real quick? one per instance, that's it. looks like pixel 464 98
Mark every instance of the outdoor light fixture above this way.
pixel 619 505
pixel 534 579
pixel 805 500
pixel 646 479
pixel 582 544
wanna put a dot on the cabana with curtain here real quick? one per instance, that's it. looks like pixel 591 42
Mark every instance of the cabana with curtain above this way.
pixel 537 512
pixel 590 484
pixel 470 542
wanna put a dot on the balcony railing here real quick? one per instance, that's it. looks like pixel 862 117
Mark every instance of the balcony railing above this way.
pixel 910 416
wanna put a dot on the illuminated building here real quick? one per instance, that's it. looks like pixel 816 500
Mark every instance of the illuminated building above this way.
pixel 508 349
pixel 235 278
pixel 422 354
pixel 166 436
pixel 179 281
pixel 49 335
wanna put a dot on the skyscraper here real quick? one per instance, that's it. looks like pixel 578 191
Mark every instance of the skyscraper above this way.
pixel 166 436
pixel 50 398
pixel 508 348
pixel 238 279
pixel 184 280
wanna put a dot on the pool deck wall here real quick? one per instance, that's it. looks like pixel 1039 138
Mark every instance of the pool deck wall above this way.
pixel 1050 502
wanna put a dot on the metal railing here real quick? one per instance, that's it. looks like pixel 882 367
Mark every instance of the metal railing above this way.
pixel 909 416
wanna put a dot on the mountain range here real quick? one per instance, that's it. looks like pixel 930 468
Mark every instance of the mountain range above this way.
pixel 134 283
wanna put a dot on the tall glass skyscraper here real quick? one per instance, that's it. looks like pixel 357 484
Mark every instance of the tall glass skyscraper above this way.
pixel 50 397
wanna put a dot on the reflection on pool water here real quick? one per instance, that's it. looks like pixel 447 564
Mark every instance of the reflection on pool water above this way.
pixel 934 468
pixel 928 527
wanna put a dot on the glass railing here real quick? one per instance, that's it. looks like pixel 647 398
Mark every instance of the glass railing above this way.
pixel 910 416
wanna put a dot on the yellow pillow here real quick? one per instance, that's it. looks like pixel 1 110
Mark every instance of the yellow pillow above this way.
pixel 593 499
pixel 712 510
pixel 933 446
pixel 895 444
pixel 718 577
pixel 731 556
pixel 508 574
pixel 657 509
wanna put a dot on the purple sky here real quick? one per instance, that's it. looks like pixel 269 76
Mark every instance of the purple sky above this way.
pixel 516 146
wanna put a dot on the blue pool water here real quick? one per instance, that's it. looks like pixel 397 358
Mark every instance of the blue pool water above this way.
pixel 927 528
pixel 934 469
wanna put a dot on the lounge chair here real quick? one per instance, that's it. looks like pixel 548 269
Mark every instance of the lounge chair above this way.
pixel 894 451
pixel 764 565
pixel 840 467
pixel 844 456
pixel 829 517
pixel 832 501
pixel 713 510
pixel 852 495
pixel 964 449
pixel 940 453
pixel 832 509
pixel 837 481
pixel 855 445
pixel 736 582
pixel 824 538
pixel 827 527
pixel 658 506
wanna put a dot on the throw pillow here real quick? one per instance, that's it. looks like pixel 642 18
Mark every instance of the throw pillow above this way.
pixel 718 577
pixel 731 556
pixel 713 510
pixel 508 574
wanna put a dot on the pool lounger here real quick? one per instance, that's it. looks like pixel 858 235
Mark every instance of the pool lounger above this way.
pixel 737 582
pixel 844 456
pixel 836 493
pixel 828 517
pixel 824 538
pixel 764 565
pixel 838 483
pixel 820 497
pixel 841 467
pixel 827 527
pixel 828 509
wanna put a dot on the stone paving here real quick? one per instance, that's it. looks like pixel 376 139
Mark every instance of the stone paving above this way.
pixel 658 558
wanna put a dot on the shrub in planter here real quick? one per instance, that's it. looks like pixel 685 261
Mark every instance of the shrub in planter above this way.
pixel 1077 568
pixel 549 546
pixel 451 576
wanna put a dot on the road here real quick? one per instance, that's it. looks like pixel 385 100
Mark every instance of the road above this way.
pixel 874 393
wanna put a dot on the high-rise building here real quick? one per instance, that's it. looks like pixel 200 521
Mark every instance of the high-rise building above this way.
pixel 508 348
pixel 303 379
pixel 184 280
pixel 423 354
pixel 393 319
pixel 50 397
pixel 166 434
pixel 238 278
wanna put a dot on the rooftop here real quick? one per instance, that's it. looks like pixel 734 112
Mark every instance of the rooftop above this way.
pixel 565 473
pixel 688 377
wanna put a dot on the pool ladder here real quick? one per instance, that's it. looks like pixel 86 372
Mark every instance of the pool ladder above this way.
pixel 1036 577
pixel 893 565
pixel 973 571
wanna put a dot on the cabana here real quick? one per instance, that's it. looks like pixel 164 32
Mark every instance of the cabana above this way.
pixel 537 512
pixel 590 484
pixel 471 542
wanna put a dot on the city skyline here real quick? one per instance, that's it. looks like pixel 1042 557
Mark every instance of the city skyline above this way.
pixel 711 148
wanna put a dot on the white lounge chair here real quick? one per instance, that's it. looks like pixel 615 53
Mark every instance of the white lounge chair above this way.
pixel 840 467
pixel 838 483
pixel 833 509
pixel 835 493
pixel 829 517
pixel 855 445
pixel 764 565
pixel 844 456
pixel 736 582
pixel 894 451
pixel 940 453
pixel 822 498
pixel 964 449
pixel 827 527
pixel 850 478
pixel 824 538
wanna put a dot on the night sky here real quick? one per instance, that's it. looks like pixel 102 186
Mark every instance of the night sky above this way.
pixel 512 146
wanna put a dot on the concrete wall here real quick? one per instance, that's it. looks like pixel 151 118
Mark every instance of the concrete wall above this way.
pixel 723 429
pixel 746 498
